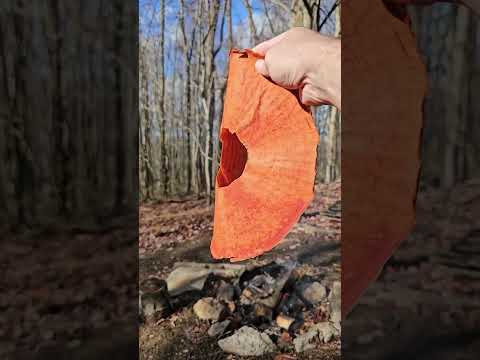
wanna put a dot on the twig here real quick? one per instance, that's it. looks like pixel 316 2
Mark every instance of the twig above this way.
pixel 332 9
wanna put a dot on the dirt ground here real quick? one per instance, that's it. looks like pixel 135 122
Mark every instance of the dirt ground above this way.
pixel 426 303
pixel 69 294
pixel 181 231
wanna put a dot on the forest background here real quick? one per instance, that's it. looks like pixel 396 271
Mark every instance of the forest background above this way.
pixel 183 64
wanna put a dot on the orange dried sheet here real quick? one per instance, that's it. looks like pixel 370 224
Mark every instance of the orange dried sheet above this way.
pixel 267 169
pixel 384 82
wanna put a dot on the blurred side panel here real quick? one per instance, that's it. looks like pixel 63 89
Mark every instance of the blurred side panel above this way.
pixel 425 303
pixel 68 179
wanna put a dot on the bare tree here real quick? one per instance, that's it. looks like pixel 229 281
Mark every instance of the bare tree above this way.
pixel 64 130
pixel 183 75
pixel 448 36
pixel 251 22
pixel 161 101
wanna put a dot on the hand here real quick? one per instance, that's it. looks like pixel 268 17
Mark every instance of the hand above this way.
pixel 306 60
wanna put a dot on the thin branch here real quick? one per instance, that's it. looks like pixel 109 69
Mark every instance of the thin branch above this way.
pixel 332 9
pixel 272 29
pixel 253 28
pixel 215 52
pixel 282 5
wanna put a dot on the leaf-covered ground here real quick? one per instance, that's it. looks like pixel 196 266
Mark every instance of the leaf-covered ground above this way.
pixel 63 293
pixel 181 231
pixel 426 303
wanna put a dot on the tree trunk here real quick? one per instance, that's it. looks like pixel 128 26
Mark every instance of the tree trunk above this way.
pixel 305 13
pixel 161 104
pixel 69 130
pixel 446 35
pixel 253 28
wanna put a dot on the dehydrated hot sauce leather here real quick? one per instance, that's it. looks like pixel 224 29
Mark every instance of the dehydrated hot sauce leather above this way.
pixel 267 166
pixel 381 133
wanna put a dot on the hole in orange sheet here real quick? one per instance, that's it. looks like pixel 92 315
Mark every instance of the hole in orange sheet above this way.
pixel 233 160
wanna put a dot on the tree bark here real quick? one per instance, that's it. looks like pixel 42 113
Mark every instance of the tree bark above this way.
pixel 68 108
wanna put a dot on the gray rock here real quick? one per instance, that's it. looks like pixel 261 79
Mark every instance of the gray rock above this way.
pixel 247 342
pixel 208 309
pixel 324 332
pixel 305 342
pixel 307 228
pixel 259 288
pixel 189 276
pixel 226 292
pixel 335 299
pixel 154 303
pixel 218 328
pixel 154 298
pixel 266 290
pixel 313 292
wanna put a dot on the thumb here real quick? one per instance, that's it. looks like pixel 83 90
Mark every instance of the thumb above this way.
pixel 261 67
pixel 263 47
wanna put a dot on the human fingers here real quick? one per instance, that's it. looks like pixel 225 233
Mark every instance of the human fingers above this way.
pixel 261 67
pixel 263 47
pixel 308 96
